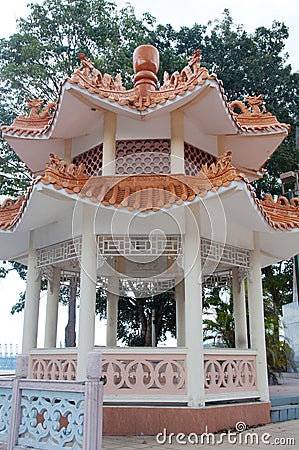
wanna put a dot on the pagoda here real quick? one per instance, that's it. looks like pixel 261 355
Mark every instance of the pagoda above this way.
pixel 148 190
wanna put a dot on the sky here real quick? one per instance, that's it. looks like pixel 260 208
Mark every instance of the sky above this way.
pixel 251 14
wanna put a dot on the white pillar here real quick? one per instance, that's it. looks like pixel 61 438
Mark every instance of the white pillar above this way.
pixel 256 319
pixel 31 300
pixel 241 340
pixel 52 309
pixel 109 143
pixel 177 141
pixel 112 310
pixel 87 290
pixel 68 151
pixel 193 308
pixel 180 313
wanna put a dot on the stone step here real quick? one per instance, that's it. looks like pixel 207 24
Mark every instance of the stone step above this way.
pixel 284 400
pixel 284 412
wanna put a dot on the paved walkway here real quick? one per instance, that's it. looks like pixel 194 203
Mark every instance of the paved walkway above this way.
pixel 284 435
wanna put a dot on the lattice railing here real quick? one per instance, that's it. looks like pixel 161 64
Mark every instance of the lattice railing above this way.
pixel 64 251
pixel 229 254
pixel 53 367
pixel 140 245
pixel 5 409
pixel 160 372
pixel 230 373
pixel 48 414
pixel 144 374
pixel 51 418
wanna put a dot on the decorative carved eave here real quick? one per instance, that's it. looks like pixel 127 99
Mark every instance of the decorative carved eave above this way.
pixel 151 192
pixel 140 192
pixel 284 213
pixel 61 175
pixel 252 115
pixel 249 119
pixel 34 123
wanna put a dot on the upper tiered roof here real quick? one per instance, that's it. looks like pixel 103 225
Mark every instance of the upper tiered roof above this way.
pixel 87 94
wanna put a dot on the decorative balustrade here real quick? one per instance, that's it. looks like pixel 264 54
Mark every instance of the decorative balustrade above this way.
pixel 44 414
pixel 157 373
pixel 5 410
pixel 144 374
pixel 51 418
pixel 228 373
pixel 57 366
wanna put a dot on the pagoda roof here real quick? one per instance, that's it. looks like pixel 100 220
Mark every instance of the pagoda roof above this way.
pixel 149 192
pixel 84 96
pixel 62 186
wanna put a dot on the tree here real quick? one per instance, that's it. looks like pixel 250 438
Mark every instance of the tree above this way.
pixel 136 316
pixel 219 322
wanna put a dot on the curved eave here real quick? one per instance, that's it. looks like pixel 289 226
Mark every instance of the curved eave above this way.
pixel 40 209
pixel 251 152
pixel 241 207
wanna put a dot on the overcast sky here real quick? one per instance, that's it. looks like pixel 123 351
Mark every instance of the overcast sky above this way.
pixel 251 14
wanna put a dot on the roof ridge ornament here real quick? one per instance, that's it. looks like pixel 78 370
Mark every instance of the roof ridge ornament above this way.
pixel 87 73
pixel 252 112
pixel 188 74
pixel 146 61
pixel 36 119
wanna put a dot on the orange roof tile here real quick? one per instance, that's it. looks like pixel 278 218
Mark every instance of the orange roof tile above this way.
pixel 141 192
pixel 33 124
pixel 284 213
pixel 151 192
pixel 254 116
pixel 87 77
pixel 10 211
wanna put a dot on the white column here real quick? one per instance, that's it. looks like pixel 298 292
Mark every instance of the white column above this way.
pixel 241 340
pixel 180 313
pixel 52 309
pixel 68 151
pixel 87 290
pixel 31 300
pixel 109 143
pixel 256 319
pixel 112 310
pixel 177 142
pixel 193 308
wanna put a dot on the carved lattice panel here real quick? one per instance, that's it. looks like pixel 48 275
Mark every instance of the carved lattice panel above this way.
pixel 229 373
pixel 143 156
pixel 92 159
pixel 144 374
pixel 51 420
pixel 195 158
pixel 5 412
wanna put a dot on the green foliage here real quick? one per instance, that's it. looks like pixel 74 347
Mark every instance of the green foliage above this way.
pixel 219 321
pixel 135 317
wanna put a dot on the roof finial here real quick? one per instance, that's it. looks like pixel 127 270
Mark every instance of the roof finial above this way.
pixel 146 66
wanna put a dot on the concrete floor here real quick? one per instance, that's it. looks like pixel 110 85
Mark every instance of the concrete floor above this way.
pixel 284 435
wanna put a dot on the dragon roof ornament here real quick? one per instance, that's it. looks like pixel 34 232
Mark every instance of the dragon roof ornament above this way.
pixel 252 113
pixel 151 192
pixel 36 119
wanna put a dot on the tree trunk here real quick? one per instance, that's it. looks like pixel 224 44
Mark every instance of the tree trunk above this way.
pixel 70 329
